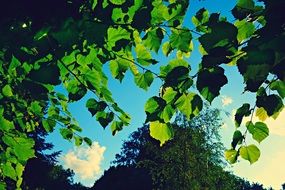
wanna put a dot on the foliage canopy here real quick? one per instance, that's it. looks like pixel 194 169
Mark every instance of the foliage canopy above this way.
pixel 48 43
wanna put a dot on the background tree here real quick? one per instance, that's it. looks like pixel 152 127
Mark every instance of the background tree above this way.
pixel 193 159
pixel 124 177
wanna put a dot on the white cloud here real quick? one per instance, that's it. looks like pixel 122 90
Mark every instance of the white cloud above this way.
pixel 85 161
pixel 226 100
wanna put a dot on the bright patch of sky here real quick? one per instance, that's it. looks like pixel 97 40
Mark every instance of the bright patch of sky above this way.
pixel 269 170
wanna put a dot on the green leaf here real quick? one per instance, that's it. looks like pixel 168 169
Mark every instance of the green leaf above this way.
pixel 189 104
pixel 180 39
pixel 166 48
pixel 15 63
pixel 261 114
pixel 255 67
pixel 87 141
pixel 94 106
pixel 167 113
pixel 114 35
pixel 176 76
pixel 245 29
pixel 118 68
pixel 144 80
pixel 24 149
pixel 143 55
pixel 153 108
pixel 75 90
pixel 164 70
pixel 272 103
pixel 75 127
pixel 244 110
pixel 19 169
pixel 9 171
pixel 201 17
pixel 5 124
pixel 237 139
pixel 250 153
pixel 279 86
pixel 223 34
pixel 161 131
pixel 66 133
pixel 46 74
pixel 116 126
pixel 231 156
pixel 93 77
pixel 104 118
pixel 243 8
pixel 210 81
pixel 36 108
pixel 117 2
pixel 7 91
pixel 153 38
pixel 169 95
pixel 49 124
pixel 78 140
pixel 2 186
pixel 152 104
pixel 125 118
pixel 259 130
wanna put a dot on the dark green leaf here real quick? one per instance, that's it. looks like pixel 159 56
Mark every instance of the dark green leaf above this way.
pixel 223 34
pixel 176 76
pixel 272 103
pixel 94 106
pixel 87 141
pixel 104 118
pixel 244 110
pixel 66 133
pixel 237 139
pixel 210 81
pixel 116 126
pixel 49 124
pixel 255 67
pixel 47 74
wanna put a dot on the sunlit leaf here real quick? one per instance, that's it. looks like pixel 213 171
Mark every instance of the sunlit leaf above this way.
pixel 161 131
pixel 259 130
pixel 231 156
pixel 144 80
pixel 7 91
pixel 250 153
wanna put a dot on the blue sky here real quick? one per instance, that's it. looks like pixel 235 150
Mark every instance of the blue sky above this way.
pixel 268 170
